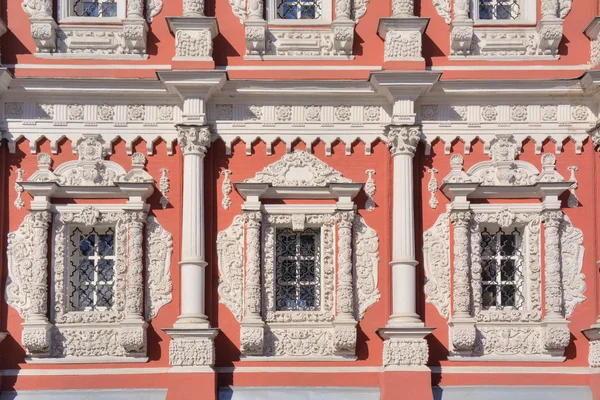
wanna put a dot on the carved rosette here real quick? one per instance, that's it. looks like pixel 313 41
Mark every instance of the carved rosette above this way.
pixel 194 139
pixel 462 297
pixel 413 352
pixel 403 140
pixel 195 352
pixel 553 284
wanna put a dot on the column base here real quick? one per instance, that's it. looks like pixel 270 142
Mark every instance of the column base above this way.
pixel 192 347
pixel 403 40
pixel 407 384
pixel 405 348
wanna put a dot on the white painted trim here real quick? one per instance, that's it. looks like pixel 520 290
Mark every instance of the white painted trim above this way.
pixel 86 360
pixel 91 56
pixel 504 67
pixel 512 370
pixel 298 359
pixel 301 68
pixel 540 358
pixel 306 370
pixel 94 66
pixel 83 371
pixel 291 209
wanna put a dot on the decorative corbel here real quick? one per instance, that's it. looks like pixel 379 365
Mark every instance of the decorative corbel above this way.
pixel 43 26
pixel 402 33
pixel 194 32
pixel 461 29
pixel 255 28
pixel 135 28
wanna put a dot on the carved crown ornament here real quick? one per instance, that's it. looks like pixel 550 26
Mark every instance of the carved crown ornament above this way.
pixel 91 175
pixel 503 176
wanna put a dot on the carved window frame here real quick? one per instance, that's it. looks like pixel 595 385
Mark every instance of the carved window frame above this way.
pixel 272 222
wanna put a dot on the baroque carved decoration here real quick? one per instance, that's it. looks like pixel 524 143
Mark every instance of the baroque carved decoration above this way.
pixel 19 203
pixel 370 189
pixel 432 187
pixel 405 352
pixel 164 186
pixel 226 189
pixel 194 139
pixel 366 266
pixel 159 249
pixel 191 352
pixel 403 139
pixel 230 250
pixel 436 254
pixel 298 169
pixel 573 201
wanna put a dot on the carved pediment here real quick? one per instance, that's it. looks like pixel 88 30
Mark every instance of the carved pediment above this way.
pixel 299 169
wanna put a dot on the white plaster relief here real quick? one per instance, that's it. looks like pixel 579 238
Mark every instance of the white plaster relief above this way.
pixel 159 249
pixel 432 187
pixel 436 255
pixel 164 186
pixel 226 189
pixel 366 266
pixel 230 250
pixel 572 251
pixel 370 190
pixel 573 201
pixel 19 203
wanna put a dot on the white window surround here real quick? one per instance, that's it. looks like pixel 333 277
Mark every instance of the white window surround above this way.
pixel 66 14
pixel 527 17
pixel 60 334
pixel 273 20
pixel 531 333
pixel 328 333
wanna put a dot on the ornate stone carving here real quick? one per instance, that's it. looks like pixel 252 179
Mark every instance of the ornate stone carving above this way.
pixel 432 187
pixel 299 169
pixel 403 139
pixel 573 201
pixel 370 189
pixel 552 277
pixel 230 250
pixel 193 8
pixel 251 340
pixel 344 341
pixel 195 44
pixel 461 36
pixel 19 203
pixel 436 254
pixel 463 339
pixel 462 296
pixel 26 287
pixel 401 45
pixel 159 249
pixel 194 139
pixel 153 8
pixel 366 265
pixel 573 281
pixel 507 341
pixel 443 9
pixel 252 289
pixel 405 352
pixel 164 187
pixel 594 355
pixel 345 293
pixel 226 189
pixel 191 352
pixel 299 342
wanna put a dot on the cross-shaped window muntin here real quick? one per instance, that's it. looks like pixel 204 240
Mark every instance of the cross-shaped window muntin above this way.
pixel 499 10
pixel 96 8
pixel 92 259
pixel 502 269
pixel 297 260
pixel 299 9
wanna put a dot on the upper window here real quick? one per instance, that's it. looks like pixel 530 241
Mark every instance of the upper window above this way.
pixel 92 262
pixel 299 12
pixel 503 12
pixel 298 270
pixel 499 9
pixel 501 269
pixel 98 11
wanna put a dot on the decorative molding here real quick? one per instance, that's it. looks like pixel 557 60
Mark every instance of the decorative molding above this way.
pixel 159 249
pixel 230 251
pixel 298 169
pixel 573 201
pixel 366 266
pixel 432 187
pixel 153 8
pixel 412 352
pixel 19 203
pixel 226 188
pixel 194 139
pixel 572 251
pixel 191 352
pixel 164 187
pixel 370 190
pixel 436 257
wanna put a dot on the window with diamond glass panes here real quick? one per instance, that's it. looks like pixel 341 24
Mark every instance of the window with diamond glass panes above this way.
pixel 298 269
pixel 91 269
pixel 298 9
pixel 95 8
pixel 499 10
pixel 502 269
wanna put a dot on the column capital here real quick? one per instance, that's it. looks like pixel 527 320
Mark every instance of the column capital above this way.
pixel 403 139
pixel 552 219
pixel 194 139
pixel 461 218
pixel 193 8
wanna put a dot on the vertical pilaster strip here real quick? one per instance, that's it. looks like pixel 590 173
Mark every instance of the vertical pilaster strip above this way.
pixel 135 272
pixel 461 281
pixel 253 287
pixel 403 141
pixel 193 8
pixel 345 293
pixel 194 142
pixel 552 272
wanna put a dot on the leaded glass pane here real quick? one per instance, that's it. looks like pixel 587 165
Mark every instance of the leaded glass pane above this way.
pixel 501 269
pixel 95 8
pixel 91 266
pixel 299 9
pixel 499 9
pixel 298 270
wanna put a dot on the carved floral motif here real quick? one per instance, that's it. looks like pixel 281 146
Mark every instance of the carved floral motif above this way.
pixel 405 352
pixel 436 253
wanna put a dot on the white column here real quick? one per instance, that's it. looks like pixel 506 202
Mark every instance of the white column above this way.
pixel 552 272
pixel 193 8
pixel 403 141
pixel 345 293
pixel 462 269
pixel 253 287
pixel 194 142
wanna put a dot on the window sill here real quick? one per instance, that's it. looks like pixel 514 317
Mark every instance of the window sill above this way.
pixel 482 23
pixel 535 358
pixel 91 21
pixel 296 359
pixel 299 23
